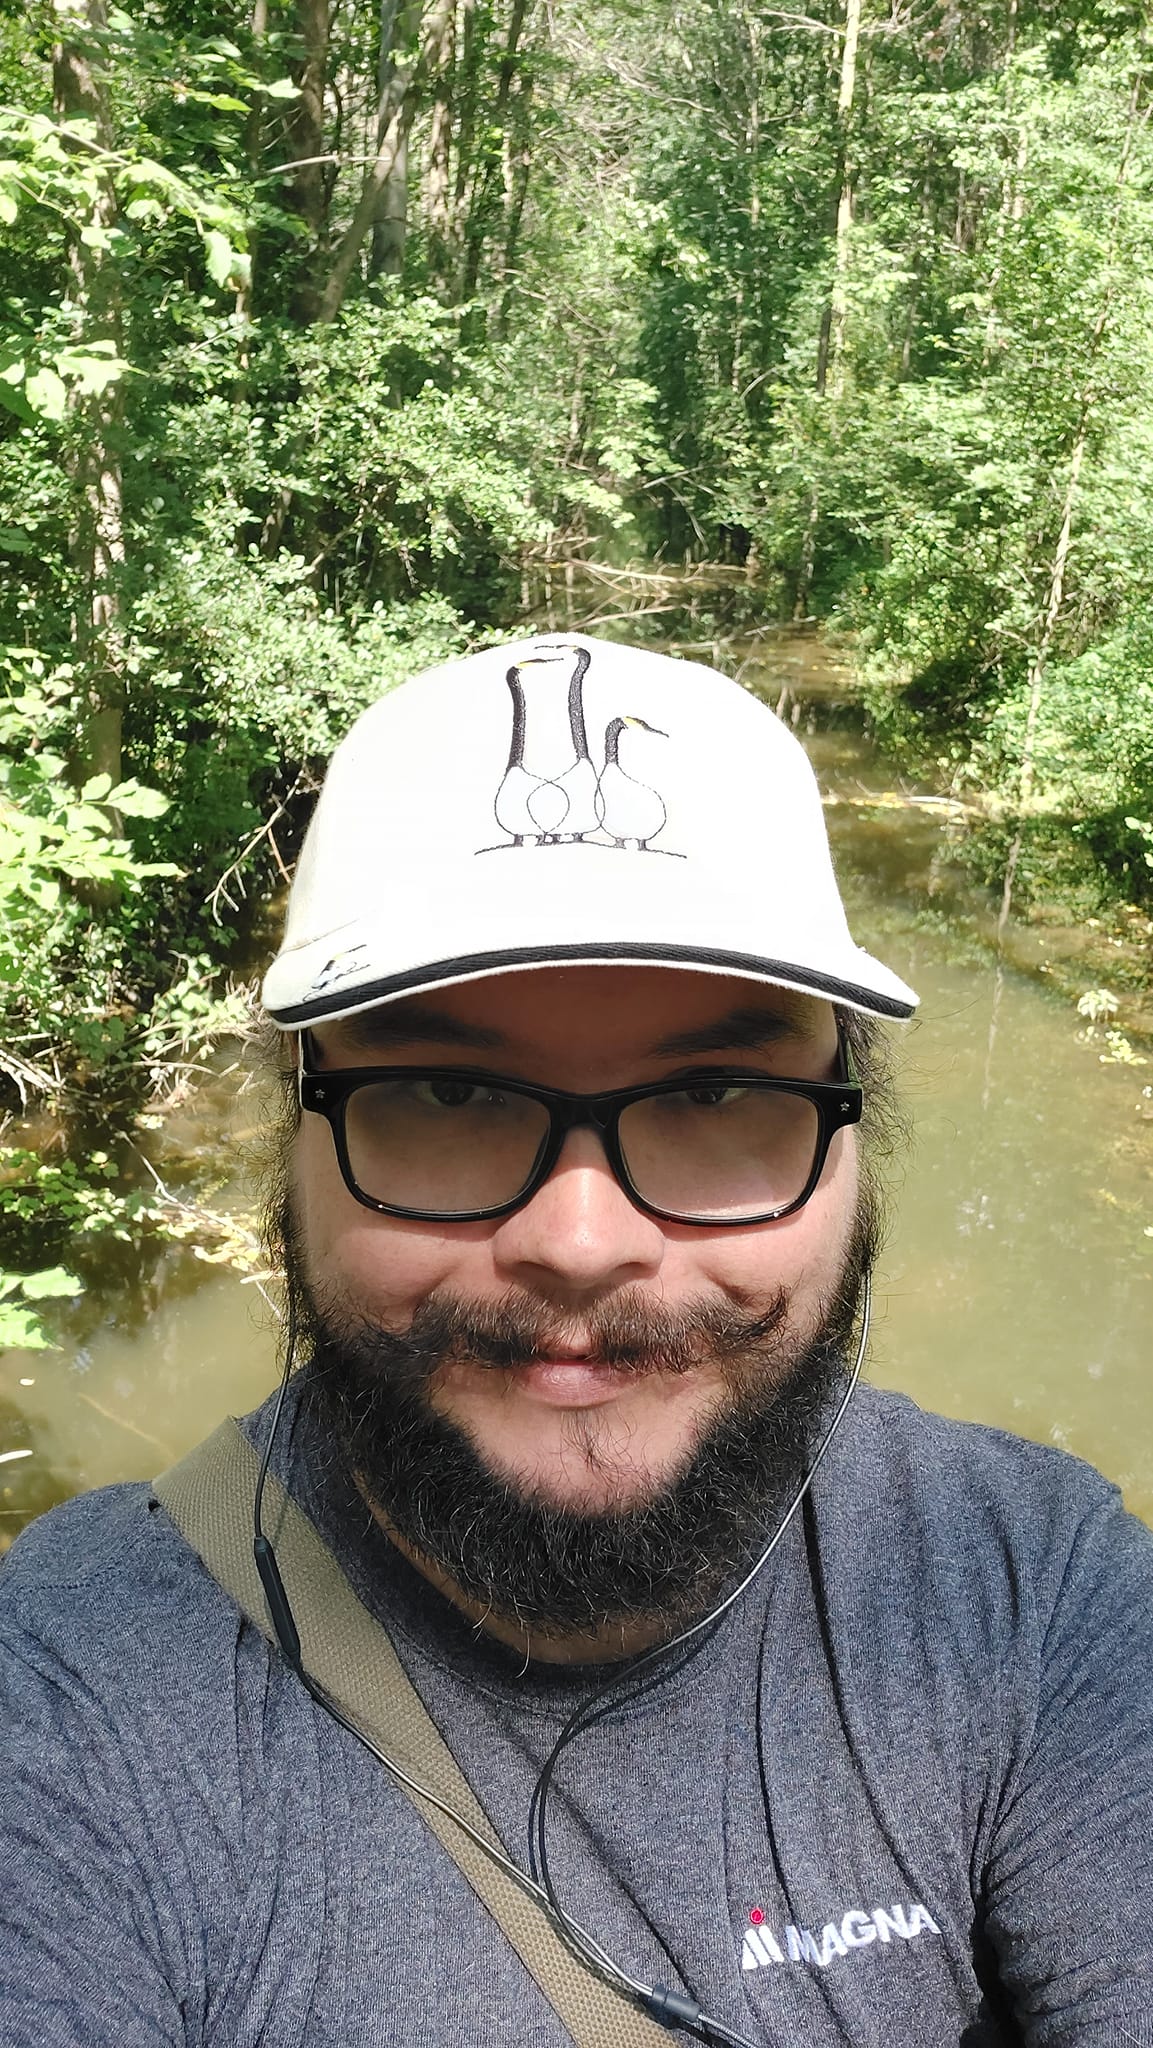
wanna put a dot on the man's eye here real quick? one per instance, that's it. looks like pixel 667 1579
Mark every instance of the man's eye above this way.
pixel 714 1094
pixel 447 1094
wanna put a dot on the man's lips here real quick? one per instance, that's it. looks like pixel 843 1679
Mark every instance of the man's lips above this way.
pixel 568 1372
pixel 562 1382
pixel 557 1377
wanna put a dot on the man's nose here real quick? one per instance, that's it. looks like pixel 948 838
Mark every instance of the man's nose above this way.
pixel 580 1234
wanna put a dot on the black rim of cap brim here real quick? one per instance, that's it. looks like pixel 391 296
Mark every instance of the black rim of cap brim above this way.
pixel 360 995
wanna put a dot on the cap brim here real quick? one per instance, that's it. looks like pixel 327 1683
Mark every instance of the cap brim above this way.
pixel 293 1000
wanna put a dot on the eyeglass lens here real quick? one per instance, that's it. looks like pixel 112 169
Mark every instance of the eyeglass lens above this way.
pixel 422 1143
pixel 454 1146
pixel 725 1151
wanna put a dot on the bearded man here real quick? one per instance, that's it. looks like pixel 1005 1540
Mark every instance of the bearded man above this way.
pixel 571 1651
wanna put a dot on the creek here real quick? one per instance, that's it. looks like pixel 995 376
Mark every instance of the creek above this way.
pixel 1016 1287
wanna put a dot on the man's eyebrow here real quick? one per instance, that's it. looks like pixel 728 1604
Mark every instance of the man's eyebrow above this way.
pixel 376 1030
pixel 745 1029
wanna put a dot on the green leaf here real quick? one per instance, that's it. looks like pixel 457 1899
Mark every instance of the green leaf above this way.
pixel 282 89
pixel 135 801
pixel 92 373
pixel 14 541
pixel 96 789
pixel 15 401
pixel 46 394
pixel 12 373
pixel 8 209
pixel 222 259
pixel 21 1330
pixel 222 101
pixel 51 1284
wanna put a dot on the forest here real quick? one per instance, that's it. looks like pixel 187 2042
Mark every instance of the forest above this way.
pixel 338 334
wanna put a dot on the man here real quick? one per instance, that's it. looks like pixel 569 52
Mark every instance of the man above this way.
pixel 810 1719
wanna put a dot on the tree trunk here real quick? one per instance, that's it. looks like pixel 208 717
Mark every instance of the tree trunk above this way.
pixel 386 55
pixel 466 83
pixel 254 127
pixel 753 122
pixel 306 192
pixel 518 158
pixel 437 189
pixel 254 152
pixel 96 541
pixel 394 119
pixel 521 173
pixel 1053 605
pixel 838 303
pixel 1011 209
pixel 398 25
pixel 390 228
pixel 808 558
pixel 481 210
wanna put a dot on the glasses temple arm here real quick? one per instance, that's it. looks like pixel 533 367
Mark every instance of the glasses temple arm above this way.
pixel 848 1063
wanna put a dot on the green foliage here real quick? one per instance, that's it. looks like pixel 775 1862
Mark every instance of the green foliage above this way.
pixel 250 683
pixel 984 527
pixel 400 459
pixel 652 276
pixel 21 1324
pixel 57 845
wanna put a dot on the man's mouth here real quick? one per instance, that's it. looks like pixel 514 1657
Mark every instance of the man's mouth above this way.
pixel 571 1359
pixel 571 1382
pixel 576 1364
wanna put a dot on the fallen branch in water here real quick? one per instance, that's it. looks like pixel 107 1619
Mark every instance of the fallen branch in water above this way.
pixel 215 1236
pixel 220 892
pixel 897 800
pixel 123 1422
pixel 29 1078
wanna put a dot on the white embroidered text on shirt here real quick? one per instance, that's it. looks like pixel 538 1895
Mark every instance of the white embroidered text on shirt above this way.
pixel 856 1930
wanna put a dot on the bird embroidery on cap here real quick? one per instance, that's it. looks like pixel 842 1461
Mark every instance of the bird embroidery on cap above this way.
pixel 628 809
pixel 572 802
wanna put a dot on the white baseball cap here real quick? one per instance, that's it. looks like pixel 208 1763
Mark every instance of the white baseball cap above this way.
pixel 566 800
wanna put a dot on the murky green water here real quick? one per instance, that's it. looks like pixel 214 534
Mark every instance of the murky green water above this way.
pixel 1017 1287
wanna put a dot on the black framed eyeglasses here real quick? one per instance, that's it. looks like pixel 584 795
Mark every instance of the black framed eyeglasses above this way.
pixel 457 1145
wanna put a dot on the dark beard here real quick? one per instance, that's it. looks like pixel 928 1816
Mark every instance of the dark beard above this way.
pixel 555 1571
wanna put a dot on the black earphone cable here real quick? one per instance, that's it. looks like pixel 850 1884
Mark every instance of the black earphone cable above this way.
pixel 598 1704
pixel 671 2008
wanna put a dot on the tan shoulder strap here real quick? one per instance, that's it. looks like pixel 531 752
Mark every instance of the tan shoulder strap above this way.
pixel 209 1497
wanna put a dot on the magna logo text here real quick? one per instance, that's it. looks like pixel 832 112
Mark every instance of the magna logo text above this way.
pixel 856 1930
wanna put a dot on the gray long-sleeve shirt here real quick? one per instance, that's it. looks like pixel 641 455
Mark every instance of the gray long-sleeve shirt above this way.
pixel 904 1799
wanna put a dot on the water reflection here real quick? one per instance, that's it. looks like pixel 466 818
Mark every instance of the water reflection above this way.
pixel 29 1483
pixel 1017 1288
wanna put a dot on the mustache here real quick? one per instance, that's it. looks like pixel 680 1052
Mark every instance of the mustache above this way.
pixel 628 1332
